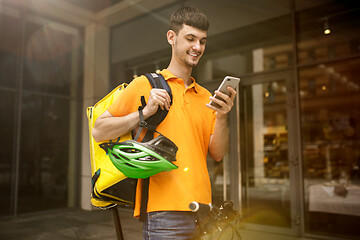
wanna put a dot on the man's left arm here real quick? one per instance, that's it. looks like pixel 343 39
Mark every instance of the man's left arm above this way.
pixel 219 141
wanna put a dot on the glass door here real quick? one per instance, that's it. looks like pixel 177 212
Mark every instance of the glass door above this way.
pixel 48 123
pixel 268 153
pixel 40 92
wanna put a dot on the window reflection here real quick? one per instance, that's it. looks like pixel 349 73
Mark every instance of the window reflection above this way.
pixel 44 153
pixel 259 47
pixel 39 77
pixel 9 50
pixel 266 165
pixel 47 59
pixel 7 131
pixel 330 109
pixel 343 41
pixel 256 47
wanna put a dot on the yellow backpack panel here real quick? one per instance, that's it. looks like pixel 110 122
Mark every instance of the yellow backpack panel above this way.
pixel 106 178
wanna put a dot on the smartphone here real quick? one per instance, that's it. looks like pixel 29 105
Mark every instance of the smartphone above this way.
pixel 228 81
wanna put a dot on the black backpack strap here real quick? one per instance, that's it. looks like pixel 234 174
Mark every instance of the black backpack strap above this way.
pixel 156 81
pixel 144 198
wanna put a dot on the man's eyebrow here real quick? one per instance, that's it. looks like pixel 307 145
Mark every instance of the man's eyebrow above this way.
pixel 194 36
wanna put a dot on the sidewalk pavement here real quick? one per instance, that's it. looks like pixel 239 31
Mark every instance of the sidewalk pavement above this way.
pixel 69 224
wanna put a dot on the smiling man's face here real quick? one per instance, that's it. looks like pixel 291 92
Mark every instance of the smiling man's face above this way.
pixel 189 45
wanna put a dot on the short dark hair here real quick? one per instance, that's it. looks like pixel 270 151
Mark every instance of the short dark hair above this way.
pixel 189 16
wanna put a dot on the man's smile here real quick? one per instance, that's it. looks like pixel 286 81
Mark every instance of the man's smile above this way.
pixel 194 54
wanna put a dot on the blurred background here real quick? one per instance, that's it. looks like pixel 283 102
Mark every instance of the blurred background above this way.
pixel 293 167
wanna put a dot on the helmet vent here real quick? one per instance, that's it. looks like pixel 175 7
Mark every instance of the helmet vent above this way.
pixel 130 150
pixel 129 165
pixel 148 158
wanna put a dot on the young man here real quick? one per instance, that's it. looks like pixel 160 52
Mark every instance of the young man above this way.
pixel 192 124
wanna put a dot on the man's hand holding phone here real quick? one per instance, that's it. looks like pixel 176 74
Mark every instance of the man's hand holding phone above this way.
pixel 223 100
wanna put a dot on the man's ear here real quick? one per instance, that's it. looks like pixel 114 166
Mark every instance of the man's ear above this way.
pixel 171 35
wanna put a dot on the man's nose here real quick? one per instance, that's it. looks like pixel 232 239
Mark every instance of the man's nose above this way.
pixel 197 46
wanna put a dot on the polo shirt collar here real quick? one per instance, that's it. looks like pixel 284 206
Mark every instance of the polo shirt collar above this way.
pixel 168 75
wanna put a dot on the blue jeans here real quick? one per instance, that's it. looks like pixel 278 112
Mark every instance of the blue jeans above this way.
pixel 169 225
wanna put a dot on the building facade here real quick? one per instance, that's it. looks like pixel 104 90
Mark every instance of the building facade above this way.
pixel 293 166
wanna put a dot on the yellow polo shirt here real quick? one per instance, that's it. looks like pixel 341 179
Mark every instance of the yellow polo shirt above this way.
pixel 189 124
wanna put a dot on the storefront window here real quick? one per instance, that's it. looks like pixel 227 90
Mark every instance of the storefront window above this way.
pixel 264 46
pixel 9 49
pixel 330 126
pixel 9 56
pixel 39 90
pixel 7 128
pixel 44 153
pixel 244 37
pixel 329 90
pixel 328 31
pixel 265 159
pixel 47 61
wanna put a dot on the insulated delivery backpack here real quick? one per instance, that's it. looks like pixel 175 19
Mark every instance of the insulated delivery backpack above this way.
pixel 111 185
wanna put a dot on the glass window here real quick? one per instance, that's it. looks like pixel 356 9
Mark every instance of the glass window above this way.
pixel 264 46
pixel 7 131
pixel 328 31
pixel 244 37
pixel 43 55
pixel 330 126
pixel 44 153
pixel 9 50
pixel 265 162
pixel 216 173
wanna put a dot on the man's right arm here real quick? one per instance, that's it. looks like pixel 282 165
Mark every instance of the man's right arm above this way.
pixel 109 127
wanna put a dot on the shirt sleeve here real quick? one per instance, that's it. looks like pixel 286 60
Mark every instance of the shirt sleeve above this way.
pixel 130 99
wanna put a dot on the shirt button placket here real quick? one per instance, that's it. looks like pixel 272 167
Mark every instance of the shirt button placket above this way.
pixel 186 100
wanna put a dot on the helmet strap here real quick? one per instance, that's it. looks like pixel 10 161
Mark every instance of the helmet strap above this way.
pixel 142 122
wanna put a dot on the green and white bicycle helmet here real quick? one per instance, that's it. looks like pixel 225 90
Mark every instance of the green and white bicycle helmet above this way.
pixel 142 159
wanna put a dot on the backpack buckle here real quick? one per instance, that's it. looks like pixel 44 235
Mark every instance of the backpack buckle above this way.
pixel 142 123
